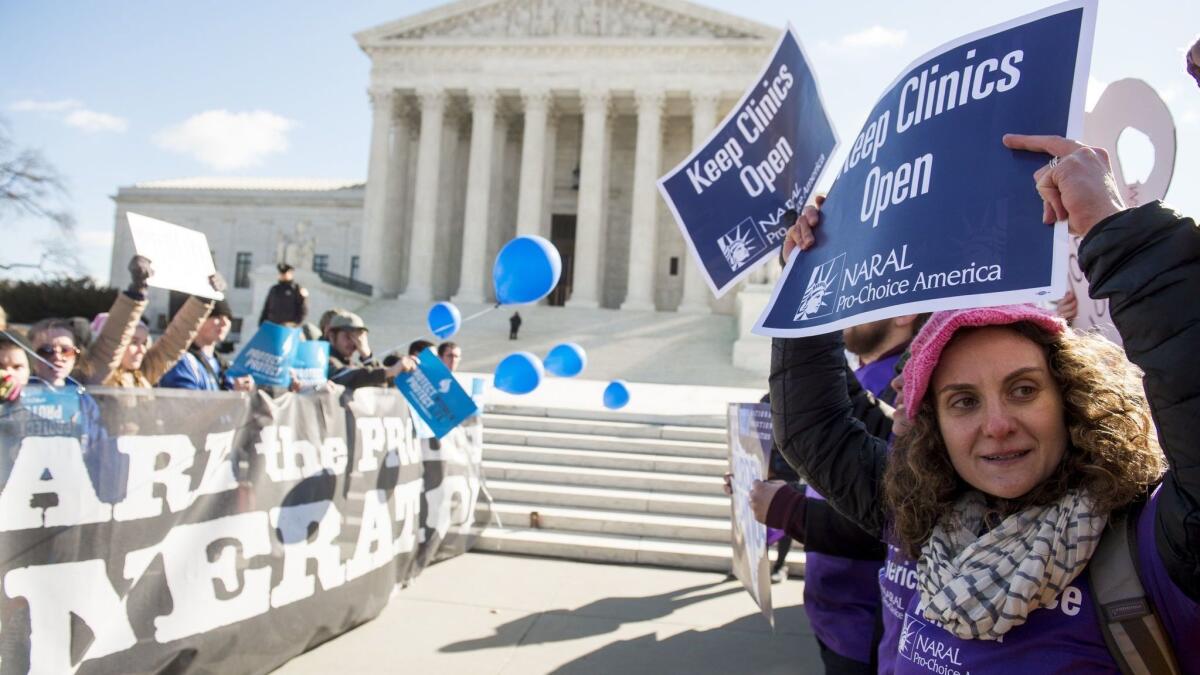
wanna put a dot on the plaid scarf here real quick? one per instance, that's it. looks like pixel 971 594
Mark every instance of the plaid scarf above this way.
pixel 980 587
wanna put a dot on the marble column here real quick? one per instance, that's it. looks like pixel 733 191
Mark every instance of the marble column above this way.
pixel 425 203
pixel 380 228
pixel 479 192
pixel 696 293
pixel 643 225
pixel 533 162
pixel 590 221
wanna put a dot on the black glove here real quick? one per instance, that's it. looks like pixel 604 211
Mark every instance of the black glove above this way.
pixel 140 271
pixel 217 282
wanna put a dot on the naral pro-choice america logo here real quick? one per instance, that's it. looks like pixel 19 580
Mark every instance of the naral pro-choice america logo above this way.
pixel 820 286
pixel 908 635
pixel 740 244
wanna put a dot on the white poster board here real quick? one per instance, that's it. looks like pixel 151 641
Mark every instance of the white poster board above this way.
pixel 180 257
pixel 1125 104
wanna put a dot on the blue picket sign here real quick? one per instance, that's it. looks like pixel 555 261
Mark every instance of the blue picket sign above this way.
pixel 930 210
pixel 731 196
pixel 311 363
pixel 435 395
pixel 267 357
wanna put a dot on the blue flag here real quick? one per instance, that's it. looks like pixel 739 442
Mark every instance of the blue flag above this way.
pixel 930 211
pixel 730 195
pixel 311 362
pixel 435 395
pixel 267 357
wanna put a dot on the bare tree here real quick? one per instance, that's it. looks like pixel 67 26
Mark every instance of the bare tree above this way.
pixel 31 186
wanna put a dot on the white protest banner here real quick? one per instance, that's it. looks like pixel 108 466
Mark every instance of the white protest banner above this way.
pixel 730 196
pixel 930 211
pixel 180 257
pixel 1124 104
pixel 749 453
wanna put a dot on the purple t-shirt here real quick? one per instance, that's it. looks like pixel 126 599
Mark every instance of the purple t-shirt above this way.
pixel 1064 637
pixel 840 597
pixel 897 583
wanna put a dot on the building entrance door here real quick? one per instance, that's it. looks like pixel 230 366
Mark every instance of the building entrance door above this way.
pixel 562 235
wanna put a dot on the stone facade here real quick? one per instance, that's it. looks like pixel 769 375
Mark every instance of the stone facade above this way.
pixel 267 219
pixel 493 118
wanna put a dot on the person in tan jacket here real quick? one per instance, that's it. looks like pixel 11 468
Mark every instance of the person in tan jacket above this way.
pixel 145 360
pixel 122 335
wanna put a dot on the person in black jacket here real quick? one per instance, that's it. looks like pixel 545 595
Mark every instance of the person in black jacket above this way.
pixel 993 458
pixel 347 336
pixel 287 301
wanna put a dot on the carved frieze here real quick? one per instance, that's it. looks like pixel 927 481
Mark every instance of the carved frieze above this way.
pixel 565 18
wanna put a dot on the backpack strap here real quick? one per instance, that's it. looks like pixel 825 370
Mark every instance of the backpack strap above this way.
pixel 1133 632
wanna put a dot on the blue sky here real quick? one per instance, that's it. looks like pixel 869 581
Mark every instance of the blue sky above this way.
pixel 120 92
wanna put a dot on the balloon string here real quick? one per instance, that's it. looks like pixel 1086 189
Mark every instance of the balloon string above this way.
pixel 476 315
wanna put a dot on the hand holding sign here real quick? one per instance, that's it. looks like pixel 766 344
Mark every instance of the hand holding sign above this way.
pixel 1079 188
pixel 174 251
pixel 928 211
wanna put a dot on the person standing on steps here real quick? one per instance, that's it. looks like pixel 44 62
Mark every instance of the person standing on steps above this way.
pixel 514 325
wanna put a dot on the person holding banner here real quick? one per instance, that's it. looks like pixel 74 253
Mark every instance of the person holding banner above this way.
pixel 450 354
pixel 14 370
pixel 200 369
pixel 146 361
pixel 348 336
pixel 1031 453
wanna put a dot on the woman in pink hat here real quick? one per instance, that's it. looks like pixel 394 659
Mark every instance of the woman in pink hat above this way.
pixel 1030 444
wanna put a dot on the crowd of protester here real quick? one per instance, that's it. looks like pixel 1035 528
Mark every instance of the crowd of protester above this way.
pixel 116 348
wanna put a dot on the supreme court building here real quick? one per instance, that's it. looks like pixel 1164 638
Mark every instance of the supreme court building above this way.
pixel 494 118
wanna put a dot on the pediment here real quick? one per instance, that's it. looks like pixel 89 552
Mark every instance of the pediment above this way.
pixel 541 19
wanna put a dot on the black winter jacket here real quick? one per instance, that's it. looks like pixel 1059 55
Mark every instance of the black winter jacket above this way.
pixel 1146 262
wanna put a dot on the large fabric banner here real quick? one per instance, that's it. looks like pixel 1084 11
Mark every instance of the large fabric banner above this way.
pixel 749 456
pixel 930 211
pixel 216 532
pixel 729 197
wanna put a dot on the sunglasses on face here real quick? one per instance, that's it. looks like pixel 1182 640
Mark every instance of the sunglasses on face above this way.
pixel 48 351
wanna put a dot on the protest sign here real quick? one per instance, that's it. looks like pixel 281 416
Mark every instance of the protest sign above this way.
pixel 180 257
pixel 274 523
pixel 435 395
pixel 749 455
pixel 730 195
pixel 311 362
pixel 267 357
pixel 1124 104
pixel 930 211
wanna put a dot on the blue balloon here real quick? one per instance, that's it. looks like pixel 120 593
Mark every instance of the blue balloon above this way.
pixel 526 270
pixel 518 373
pixel 444 320
pixel 616 395
pixel 566 360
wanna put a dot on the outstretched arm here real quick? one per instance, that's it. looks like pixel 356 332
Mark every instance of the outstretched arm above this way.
pixel 1146 263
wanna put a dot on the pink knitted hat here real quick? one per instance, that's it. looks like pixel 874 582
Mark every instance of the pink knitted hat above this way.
pixel 927 346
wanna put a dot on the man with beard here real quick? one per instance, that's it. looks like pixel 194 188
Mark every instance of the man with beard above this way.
pixel 878 346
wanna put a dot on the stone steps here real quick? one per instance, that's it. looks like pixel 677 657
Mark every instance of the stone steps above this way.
pixel 612 548
pixel 605 428
pixel 609 498
pixel 606 460
pixel 609 488
pixel 651 481
pixel 627 523
pixel 583 441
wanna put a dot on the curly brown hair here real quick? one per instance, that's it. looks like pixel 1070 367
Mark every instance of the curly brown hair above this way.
pixel 1113 454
